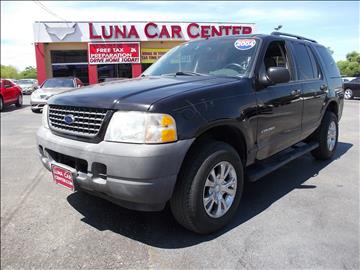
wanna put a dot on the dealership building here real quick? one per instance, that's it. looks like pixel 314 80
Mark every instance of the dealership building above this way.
pixel 97 51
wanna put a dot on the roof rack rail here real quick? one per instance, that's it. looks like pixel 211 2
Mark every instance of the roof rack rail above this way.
pixel 291 35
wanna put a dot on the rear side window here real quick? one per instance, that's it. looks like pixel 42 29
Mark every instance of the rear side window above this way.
pixel 315 64
pixel 329 63
pixel 303 62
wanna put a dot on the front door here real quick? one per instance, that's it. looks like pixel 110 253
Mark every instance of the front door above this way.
pixel 279 105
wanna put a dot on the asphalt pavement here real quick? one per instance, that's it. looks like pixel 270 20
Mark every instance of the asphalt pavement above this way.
pixel 303 216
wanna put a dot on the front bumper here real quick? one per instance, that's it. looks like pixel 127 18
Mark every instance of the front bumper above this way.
pixel 136 176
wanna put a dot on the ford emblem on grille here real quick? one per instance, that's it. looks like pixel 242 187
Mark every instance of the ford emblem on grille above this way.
pixel 69 119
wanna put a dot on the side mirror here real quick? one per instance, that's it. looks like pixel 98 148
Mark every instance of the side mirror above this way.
pixel 275 75
pixel 278 74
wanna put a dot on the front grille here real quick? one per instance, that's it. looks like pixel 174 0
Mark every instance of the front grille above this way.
pixel 87 121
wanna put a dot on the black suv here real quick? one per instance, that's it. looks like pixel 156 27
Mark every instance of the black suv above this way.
pixel 208 116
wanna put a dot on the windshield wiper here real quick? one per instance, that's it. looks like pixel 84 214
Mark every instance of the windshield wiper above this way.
pixel 184 73
pixel 188 73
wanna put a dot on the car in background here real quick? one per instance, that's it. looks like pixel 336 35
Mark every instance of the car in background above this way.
pixel 10 93
pixel 52 87
pixel 352 88
pixel 347 79
pixel 28 85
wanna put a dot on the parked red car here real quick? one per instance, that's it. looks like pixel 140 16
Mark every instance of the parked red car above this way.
pixel 10 93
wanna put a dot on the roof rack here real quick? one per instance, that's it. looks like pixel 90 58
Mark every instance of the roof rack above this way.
pixel 291 35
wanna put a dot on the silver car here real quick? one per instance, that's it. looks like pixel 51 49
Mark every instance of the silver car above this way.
pixel 27 85
pixel 52 87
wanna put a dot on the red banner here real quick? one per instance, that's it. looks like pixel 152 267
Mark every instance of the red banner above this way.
pixel 113 53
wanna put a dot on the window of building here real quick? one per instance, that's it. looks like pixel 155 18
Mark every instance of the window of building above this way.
pixel 145 66
pixel 70 63
pixel 114 71
pixel 72 56
pixel 80 71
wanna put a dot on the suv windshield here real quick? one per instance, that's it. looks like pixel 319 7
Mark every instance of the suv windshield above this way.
pixel 25 82
pixel 57 82
pixel 221 57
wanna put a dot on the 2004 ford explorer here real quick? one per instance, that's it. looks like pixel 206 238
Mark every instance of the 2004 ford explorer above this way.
pixel 209 115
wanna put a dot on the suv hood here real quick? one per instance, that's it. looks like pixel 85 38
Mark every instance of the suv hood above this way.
pixel 135 94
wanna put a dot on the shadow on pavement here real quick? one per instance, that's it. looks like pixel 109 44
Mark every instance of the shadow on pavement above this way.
pixel 160 229
pixel 11 108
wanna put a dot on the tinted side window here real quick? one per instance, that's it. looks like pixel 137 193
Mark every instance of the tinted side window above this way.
pixel 329 63
pixel 303 62
pixel 315 64
pixel 276 56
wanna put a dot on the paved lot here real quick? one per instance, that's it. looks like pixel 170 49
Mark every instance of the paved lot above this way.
pixel 305 215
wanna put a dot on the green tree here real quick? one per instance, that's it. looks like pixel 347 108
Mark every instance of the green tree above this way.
pixel 28 73
pixel 9 72
pixel 350 66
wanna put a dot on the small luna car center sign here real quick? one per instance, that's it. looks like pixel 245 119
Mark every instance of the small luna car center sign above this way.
pixel 114 53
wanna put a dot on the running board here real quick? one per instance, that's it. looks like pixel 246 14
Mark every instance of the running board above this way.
pixel 262 168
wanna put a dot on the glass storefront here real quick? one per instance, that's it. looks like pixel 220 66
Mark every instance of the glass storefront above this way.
pixel 64 70
pixel 113 71
pixel 71 63
pixel 145 66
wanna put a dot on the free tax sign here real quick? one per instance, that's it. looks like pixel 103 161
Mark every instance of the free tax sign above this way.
pixel 114 53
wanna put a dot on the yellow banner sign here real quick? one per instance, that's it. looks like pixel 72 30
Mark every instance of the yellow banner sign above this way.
pixel 149 56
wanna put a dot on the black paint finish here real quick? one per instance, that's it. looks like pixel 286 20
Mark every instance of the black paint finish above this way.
pixel 270 118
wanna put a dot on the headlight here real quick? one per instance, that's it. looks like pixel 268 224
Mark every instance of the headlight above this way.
pixel 141 127
pixel 45 116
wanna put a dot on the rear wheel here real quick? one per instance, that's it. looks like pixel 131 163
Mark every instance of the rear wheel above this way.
pixel 327 137
pixel 348 94
pixel 19 101
pixel 209 188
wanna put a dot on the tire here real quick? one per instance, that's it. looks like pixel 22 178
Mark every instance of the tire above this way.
pixel 1 104
pixel 348 94
pixel 19 101
pixel 327 137
pixel 187 203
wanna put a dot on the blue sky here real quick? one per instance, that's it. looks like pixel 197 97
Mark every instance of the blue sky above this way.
pixel 334 24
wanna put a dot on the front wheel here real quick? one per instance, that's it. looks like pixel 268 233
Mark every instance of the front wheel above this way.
pixel 348 94
pixel 19 101
pixel 209 188
pixel 1 104
pixel 327 137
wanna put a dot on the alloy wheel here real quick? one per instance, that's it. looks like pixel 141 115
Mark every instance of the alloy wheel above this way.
pixel 348 94
pixel 331 136
pixel 220 189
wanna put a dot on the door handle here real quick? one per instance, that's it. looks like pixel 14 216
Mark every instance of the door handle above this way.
pixel 323 87
pixel 295 92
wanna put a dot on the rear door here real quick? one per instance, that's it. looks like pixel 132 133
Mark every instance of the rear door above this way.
pixel 279 105
pixel 314 86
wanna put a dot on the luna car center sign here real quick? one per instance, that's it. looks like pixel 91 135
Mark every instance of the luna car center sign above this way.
pixel 151 30
pixel 114 53
pixel 135 31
